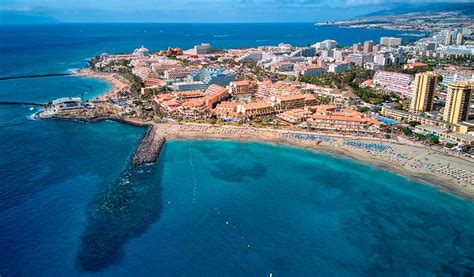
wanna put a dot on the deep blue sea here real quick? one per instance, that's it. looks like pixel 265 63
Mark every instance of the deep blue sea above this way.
pixel 70 205
pixel 56 48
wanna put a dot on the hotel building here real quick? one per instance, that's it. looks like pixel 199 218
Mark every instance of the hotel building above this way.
pixel 194 109
pixel 295 116
pixel 458 101
pixel 339 67
pixel 359 59
pixel 390 41
pixel 424 92
pixel 226 110
pixel 243 88
pixel 344 120
pixel 447 135
pixel 177 73
pixel 394 82
pixel 215 94
pixel 448 38
pixel 67 103
pixel 368 46
pixel 287 102
pixel 255 109
pixel 282 66
pixel 202 49
pixel 459 39
pixel 201 79
pixel 189 94
pixel 310 70
pixel 356 47
pixel 407 116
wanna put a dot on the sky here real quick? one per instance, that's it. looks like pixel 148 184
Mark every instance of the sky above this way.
pixel 195 10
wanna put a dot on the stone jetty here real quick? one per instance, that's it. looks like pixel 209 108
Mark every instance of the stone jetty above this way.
pixel 149 147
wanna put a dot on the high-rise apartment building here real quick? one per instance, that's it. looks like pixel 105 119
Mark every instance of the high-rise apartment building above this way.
pixel 368 46
pixel 458 101
pixel 459 39
pixel 356 47
pixel 424 92
pixel 448 38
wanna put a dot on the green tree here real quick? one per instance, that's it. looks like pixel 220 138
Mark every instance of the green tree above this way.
pixel 434 140
pixel 407 131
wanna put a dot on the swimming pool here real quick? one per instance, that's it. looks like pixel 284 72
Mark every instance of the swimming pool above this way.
pixel 386 120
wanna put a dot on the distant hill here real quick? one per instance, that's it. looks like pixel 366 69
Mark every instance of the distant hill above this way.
pixel 10 18
pixel 465 8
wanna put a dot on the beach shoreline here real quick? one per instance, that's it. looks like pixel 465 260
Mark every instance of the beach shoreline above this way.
pixel 117 83
pixel 407 159
pixel 431 178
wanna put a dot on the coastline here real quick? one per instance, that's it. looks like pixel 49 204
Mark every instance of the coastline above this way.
pixel 434 179
pixel 244 134
pixel 117 84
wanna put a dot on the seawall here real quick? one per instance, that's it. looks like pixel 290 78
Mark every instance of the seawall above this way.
pixel 19 103
pixel 149 148
pixel 35 76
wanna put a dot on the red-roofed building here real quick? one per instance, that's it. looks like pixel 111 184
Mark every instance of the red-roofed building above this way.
pixel 189 94
pixel 330 118
pixel 217 94
pixel 154 82
pixel 287 102
pixel 226 110
pixel 215 88
pixel 294 116
pixel 282 66
pixel 255 109
pixel 415 65
pixel 310 70
pixel 194 109
pixel 169 106
pixel 243 88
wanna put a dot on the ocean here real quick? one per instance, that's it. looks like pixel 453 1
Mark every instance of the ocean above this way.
pixel 70 205
pixel 57 48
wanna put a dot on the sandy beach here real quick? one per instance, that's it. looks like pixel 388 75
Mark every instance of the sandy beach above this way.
pixel 117 82
pixel 446 172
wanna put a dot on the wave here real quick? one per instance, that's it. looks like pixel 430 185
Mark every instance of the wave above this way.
pixel 220 36
pixel 34 116
pixel 72 70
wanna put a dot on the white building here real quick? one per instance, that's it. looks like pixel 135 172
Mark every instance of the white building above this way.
pixel 253 56
pixel 359 59
pixel 67 103
pixel 327 44
pixel 394 82
pixel 202 49
pixel 142 52
pixel 310 70
pixel 390 41
pixel 339 67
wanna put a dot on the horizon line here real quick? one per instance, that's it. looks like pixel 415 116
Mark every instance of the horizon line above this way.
pixel 138 22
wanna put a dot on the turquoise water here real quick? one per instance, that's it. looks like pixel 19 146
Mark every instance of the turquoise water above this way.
pixel 70 205
pixel 47 89
pixel 205 210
